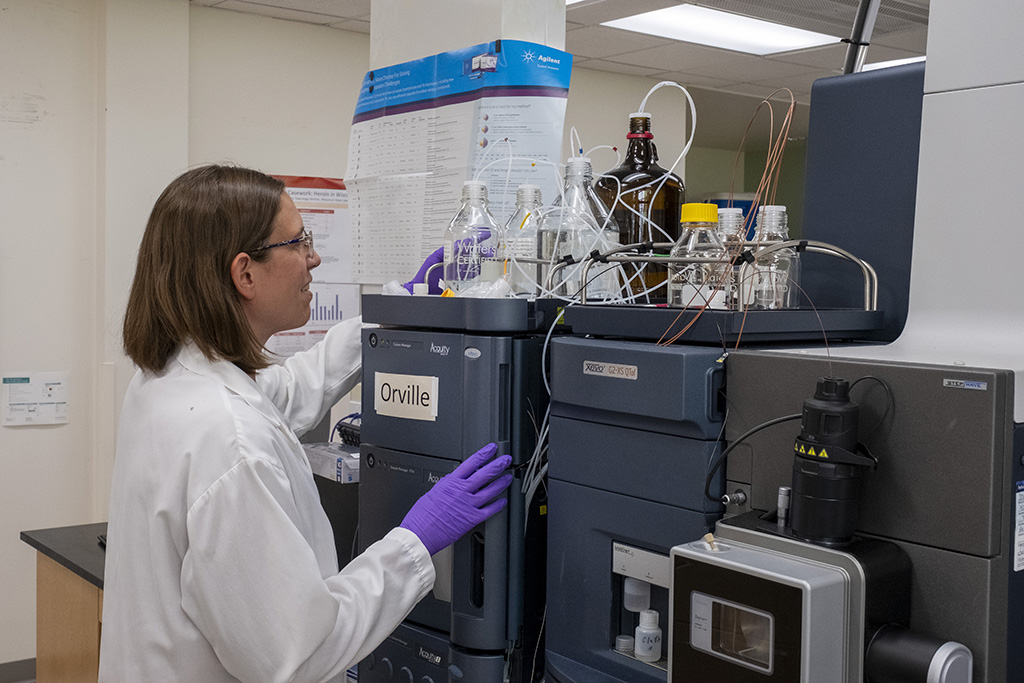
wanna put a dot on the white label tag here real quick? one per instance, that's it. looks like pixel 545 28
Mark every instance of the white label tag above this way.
pixel 616 370
pixel 1018 545
pixel 965 384
pixel 412 397
pixel 641 564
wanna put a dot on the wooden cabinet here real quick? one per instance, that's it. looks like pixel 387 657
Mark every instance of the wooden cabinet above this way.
pixel 69 602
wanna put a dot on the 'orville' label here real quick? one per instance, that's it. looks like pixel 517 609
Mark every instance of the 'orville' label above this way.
pixel 413 397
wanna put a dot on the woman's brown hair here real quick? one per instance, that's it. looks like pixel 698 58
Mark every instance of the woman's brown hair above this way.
pixel 182 289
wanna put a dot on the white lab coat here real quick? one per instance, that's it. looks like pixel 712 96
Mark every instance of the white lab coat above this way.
pixel 221 564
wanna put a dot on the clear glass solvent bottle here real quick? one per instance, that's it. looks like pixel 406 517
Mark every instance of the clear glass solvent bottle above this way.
pixel 774 279
pixel 472 242
pixel 732 231
pixel 649 200
pixel 578 223
pixel 522 241
pixel 647 638
pixel 699 283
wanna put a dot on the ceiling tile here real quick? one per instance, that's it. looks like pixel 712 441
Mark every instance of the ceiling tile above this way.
pixel 824 57
pixel 614 67
pixel 334 8
pixel 277 12
pixel 690 80
pixel 596 42
pixel 799 84
pixel 751 89
pixel 753 70
pixel 711 62
pixel 679 56
pixel 914 41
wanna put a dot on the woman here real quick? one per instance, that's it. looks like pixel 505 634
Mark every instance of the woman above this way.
pixel 221 563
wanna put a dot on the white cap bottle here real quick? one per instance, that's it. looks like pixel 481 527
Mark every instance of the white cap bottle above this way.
pixel 647 641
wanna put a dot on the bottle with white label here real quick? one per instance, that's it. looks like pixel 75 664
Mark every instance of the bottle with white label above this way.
pixel 647 639
pixel 522 242
pixel 473 242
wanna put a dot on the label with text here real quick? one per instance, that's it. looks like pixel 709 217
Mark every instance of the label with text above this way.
pixel 603 369
pixel 411 397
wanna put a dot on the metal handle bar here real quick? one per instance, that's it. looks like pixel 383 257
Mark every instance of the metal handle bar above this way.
pixel 870 276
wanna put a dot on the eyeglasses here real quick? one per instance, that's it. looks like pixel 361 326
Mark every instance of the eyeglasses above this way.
pixel 305 240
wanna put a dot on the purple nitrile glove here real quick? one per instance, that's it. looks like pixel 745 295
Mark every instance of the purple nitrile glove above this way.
pixel 460 500
pixel 433 286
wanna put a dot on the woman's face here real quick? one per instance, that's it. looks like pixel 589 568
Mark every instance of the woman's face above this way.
pixel 281 280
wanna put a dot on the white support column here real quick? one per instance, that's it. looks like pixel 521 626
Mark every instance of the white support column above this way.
pixel 142 121
pixel 404 30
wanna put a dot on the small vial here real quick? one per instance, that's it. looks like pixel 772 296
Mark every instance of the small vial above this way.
pixel 624 644
pixel 647 642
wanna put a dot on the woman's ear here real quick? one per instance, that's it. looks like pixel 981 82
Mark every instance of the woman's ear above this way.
pixel 242 275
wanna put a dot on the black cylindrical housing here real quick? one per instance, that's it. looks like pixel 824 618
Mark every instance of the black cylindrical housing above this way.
pixel 825 501
pixel 898 655
pixel 826 494
pixel 830 417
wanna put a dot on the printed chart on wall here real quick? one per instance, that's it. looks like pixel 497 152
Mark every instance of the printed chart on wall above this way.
pixel 323 204
pixel 39 398
pixel 493 111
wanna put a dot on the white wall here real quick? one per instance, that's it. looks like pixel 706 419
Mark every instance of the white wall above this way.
pixel 48 279
pixel 599 107
pixel 102 103
pixel 271 94
pixel 92 117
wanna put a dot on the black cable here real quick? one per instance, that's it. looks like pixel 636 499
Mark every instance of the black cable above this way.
pixel 736 442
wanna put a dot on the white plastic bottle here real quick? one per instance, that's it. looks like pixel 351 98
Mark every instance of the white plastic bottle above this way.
pixel 472 242
pixel 647 640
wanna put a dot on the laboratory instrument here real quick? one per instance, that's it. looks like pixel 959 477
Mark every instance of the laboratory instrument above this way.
pixel 443 377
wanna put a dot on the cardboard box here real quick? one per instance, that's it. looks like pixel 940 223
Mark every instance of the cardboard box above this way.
pixel 334 461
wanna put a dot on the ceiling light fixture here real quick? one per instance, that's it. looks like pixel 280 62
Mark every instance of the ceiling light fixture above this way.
pixel 705 26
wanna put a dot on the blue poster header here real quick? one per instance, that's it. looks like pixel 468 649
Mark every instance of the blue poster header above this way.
pixel 502 68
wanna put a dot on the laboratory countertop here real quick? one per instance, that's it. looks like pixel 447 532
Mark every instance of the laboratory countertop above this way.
pixel 74 547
